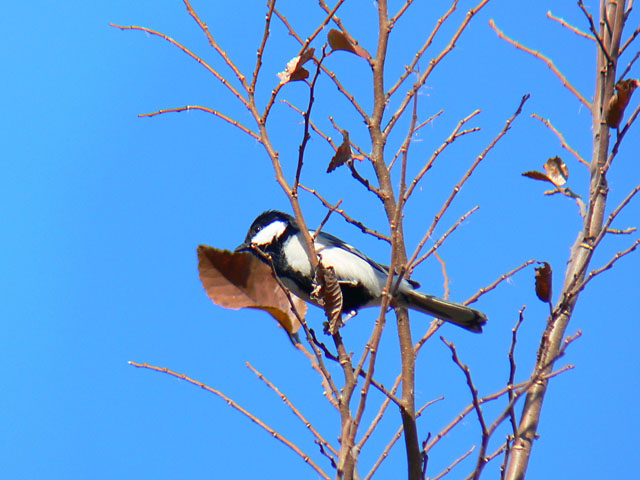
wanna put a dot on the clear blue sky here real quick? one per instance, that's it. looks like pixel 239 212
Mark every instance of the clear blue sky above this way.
pixel 102 213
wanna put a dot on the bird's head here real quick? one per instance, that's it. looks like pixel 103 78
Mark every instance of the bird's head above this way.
pixel 267 229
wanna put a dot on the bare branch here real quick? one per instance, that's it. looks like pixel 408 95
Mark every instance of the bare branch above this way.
pixel 331 75
pixel 472 389
pixel 569 26
pixel 265 36
pixel 432 64
pixel 607 266
pixel 595 34
pixel 546 60
pixel 204 109
pixel 454 135
pixel 512 368
pixel 466 176
pixel 295 411
pixel 456 462
pixel 401 12
pixel 240 409
pixel 349 219
pixel 432 250
pixel 191 54
pixel 629 65
pixel 387 449
pixel 633 36
pixel 563 142
pixel 418 127
pixel 502 278
pixel 203 26
pixel 416 58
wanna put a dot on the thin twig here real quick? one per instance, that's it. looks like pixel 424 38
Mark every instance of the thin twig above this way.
pixel 633 36
pixel 307 117
pixel 546 60
pixel 569 26
pixel 392 442
pixel 523 387
pixel 606 266
pixel 456 462
pixel 418 127
pixel 204 109
pixel 468 174
pixel 348 219
pixel 418 55
pixel 454 135
pixel 401 12
pixel 265 36
pixel 441 240
pixel 512 367
pixel 432 65
pixel 594 32
pixel 488 288
pixel 293 408
pixel 331 75
pixel 629 65
pixel 470 384
pixel 563 142
pixel 240 409
pixel 203 26
pixel 445 276
pixel 191 54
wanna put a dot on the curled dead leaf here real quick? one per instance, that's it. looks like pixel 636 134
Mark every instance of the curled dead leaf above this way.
pixel 543 282
pixel 534 174
pixel 339 41
pixel 329 295
pixel 239 280
pixel 295 70
pixel 343 154
pixel 557 171
pixel 619 101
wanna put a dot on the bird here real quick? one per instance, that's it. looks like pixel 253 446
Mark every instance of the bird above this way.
pixel 275 238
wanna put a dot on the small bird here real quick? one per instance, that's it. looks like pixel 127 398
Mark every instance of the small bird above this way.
pixel 361 280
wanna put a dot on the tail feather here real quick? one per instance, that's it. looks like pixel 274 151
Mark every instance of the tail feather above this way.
pixel 452 312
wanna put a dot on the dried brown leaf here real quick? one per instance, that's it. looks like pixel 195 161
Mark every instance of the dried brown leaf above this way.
pixel 343 154
pixel 329 295
pixel 543 282
pixel 537 176
pixel 295 70
pixel 557 171
pixel 339 41
pixel 619 101
pixel 239 280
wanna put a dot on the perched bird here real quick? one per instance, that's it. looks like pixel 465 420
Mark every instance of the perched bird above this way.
pixel 361 280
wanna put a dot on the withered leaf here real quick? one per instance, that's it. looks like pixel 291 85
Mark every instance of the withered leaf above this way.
pixel 239 280
pixel 543 282
pixel 557 171
pixel 343 154
pixel 339 41
pixel 295 70
pixel 537 176
pixel 329 295
pixel 619 101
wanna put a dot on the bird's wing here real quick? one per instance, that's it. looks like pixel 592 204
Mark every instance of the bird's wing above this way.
pixel 350 263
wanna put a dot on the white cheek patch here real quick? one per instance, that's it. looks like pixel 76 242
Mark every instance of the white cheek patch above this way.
pixel 269 233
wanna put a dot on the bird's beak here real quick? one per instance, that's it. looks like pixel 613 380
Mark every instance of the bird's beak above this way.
pixel 243 247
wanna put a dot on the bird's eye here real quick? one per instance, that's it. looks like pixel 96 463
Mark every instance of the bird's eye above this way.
pixel 258 229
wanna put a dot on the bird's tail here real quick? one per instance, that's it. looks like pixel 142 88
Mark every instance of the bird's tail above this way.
pixel 460 315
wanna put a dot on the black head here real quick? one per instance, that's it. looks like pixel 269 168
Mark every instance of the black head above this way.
pixel 267 228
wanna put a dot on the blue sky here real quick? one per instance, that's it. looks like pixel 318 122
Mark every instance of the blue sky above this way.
pixel 103 211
